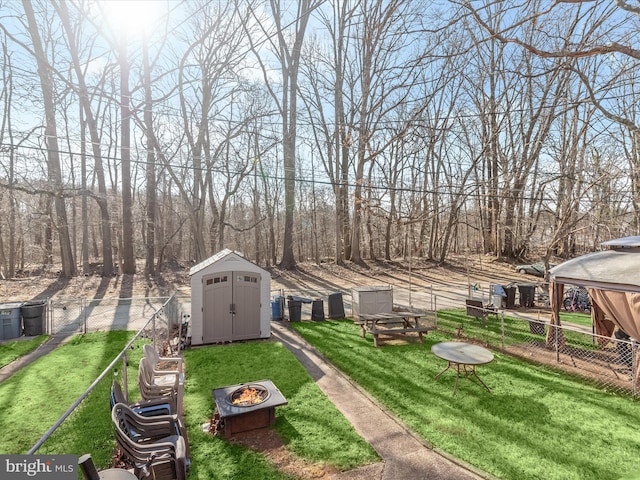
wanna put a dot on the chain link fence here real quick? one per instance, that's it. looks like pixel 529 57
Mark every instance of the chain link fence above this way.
pixel 78 315
pixel 609 363
pixel 159 321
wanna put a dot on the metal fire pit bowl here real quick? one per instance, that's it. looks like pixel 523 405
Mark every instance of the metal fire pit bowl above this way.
pixel 247 416
pixel 258 395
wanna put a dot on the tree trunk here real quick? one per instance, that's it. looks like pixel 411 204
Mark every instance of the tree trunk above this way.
pixel 101 198
pixel 151 187
pixel 128 255
pixel 51 134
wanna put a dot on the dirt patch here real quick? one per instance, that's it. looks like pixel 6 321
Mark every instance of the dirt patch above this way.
pixel 267 442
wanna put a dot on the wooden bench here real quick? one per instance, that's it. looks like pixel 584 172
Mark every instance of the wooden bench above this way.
pixel 397 332
pixel 475 308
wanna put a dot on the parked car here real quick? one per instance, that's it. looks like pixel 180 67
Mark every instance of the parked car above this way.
pixel 536 269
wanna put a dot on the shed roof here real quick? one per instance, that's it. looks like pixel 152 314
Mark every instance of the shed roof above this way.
pixel 216 258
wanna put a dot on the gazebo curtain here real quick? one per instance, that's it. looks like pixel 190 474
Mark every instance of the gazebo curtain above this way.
pixel 621 308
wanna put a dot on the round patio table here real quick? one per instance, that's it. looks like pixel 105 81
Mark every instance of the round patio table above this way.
pixel 462 356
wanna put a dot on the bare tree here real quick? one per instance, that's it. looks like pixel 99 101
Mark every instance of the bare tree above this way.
pixel 287 48
pixel 331 111
pixel 207 73
pixel 53 158
pixel 84 98
pixel 386 80
pixel 596 28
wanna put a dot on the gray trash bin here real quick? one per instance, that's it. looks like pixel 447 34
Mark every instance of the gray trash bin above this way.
pixel 9 320
pixel 33 317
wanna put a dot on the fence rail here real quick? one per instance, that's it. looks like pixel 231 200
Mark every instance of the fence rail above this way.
pixel 77 315
pixel 608 363
pixel 162 326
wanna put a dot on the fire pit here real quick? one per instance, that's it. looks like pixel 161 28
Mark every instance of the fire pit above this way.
pixel 248 396
pixel 247 406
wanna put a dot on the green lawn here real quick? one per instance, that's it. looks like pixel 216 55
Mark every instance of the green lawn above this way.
pixel 10 351
pixel 536 423
pixel 517 331
pixel 36 396
pixel 310 425
pixel 578 318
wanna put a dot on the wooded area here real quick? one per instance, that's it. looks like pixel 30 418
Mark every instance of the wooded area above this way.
pixel 314 130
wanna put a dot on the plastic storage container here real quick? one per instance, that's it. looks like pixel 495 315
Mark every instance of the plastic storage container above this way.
pixel 276 310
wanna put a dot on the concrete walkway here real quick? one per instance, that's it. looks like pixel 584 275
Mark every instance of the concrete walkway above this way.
pixel 51 344
pixel 404 456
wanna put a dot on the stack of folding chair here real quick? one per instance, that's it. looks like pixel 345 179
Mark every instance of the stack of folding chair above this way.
pixel 155 382
pixel 150 408
pixel 154 445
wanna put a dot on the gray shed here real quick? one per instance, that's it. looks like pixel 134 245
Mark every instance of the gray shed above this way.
pixel 229 300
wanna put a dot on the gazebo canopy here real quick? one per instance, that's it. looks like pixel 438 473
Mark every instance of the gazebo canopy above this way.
pixel 612 278
pixel 615 269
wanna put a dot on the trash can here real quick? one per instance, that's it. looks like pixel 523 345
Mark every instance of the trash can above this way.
pixel 276 308
pixel 527 295
pixel 9 320
pixel 317 310
pixel 498 296
pixel 33 317
pixel 336 305
pixel 510 301
pixel 295 309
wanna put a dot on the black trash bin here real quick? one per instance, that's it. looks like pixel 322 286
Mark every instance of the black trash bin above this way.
pixel 527 295
pixel 33 317
pixel 317 310
pixel 295 309
pixel 336 305
pixel 511 296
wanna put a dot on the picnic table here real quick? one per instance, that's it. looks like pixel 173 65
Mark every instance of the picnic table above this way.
pixel 392 324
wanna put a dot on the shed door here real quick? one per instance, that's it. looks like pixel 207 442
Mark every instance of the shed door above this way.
pixel 217 317
pixel 231 306
pixel 246 293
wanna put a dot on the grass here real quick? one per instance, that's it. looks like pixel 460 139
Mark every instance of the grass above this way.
pixel 578 318
pixel 535 424
pixel 310 426
pixel 10 351
pixel 35 397
pixel 517 330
